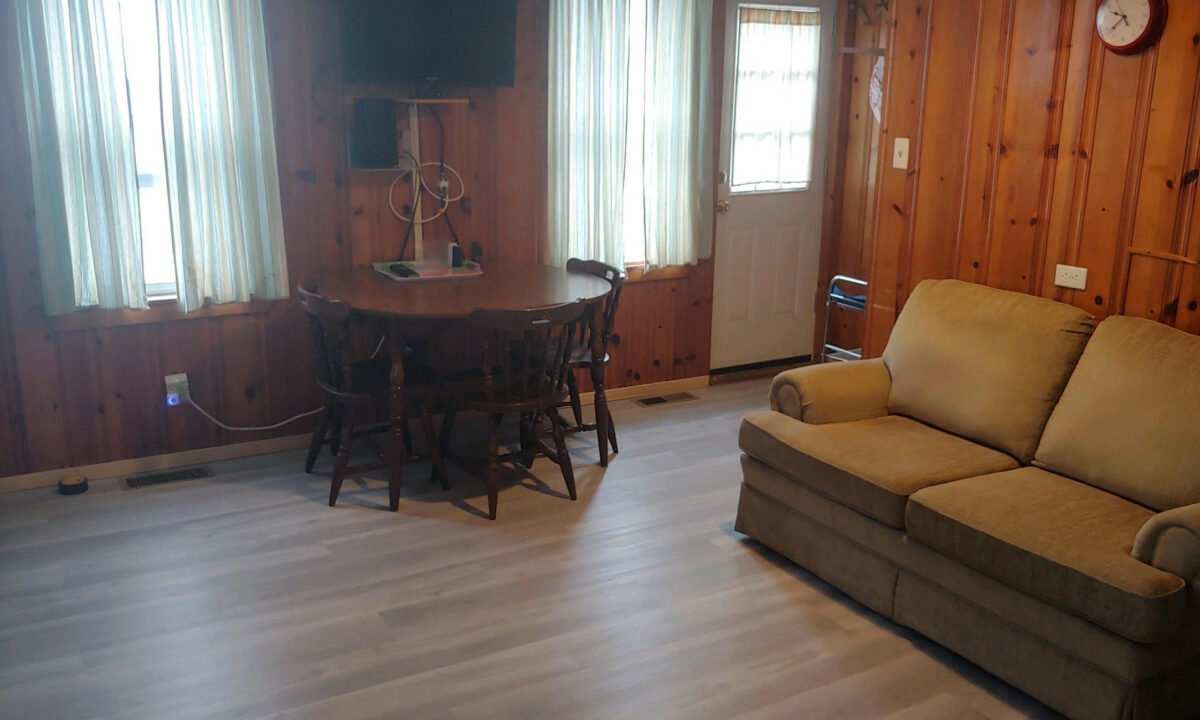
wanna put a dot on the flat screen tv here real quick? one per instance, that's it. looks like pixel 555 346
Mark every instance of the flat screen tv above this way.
pixel 464 43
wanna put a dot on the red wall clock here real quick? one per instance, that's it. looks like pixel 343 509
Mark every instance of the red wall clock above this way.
pixel 1130 26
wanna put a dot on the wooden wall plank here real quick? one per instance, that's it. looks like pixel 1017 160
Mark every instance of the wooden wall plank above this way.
pixel 1022 155
pixel 850 183
pixel 1079 107
pixel 993 33
pixel 1163 199
pixel 902 115
pixel 939 197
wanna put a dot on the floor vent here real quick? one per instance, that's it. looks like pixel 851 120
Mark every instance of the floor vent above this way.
pixel 664 399
pixel 169 476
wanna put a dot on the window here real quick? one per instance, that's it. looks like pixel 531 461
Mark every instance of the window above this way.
pixel 155 173
pixel 138 30
pixel 630 160
pixel 778 52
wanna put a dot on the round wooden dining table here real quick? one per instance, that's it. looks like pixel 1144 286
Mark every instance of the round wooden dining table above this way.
pixel 418 308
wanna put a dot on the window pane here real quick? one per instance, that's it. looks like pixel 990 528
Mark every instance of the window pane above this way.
pixel 775 98
pixel 635 138
pixel 139 27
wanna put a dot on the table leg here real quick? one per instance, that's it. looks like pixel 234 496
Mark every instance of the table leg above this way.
pixel 398 455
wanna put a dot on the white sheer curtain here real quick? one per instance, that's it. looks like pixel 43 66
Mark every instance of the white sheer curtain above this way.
pixel 219 137
pixel 81 138
pixel 587 121
pixel 217 145
pixel 778 58
pixel 629 173
pixel 677 152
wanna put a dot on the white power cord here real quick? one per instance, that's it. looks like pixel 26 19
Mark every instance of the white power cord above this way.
pixel 419 184
pixel 187 398
pixel 231 428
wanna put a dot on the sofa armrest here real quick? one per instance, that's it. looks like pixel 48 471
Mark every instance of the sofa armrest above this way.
pixel 1170 541
pixel 833 392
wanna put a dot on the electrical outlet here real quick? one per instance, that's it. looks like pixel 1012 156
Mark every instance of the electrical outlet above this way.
pixel 1069 276
pixel 177 389
pixel 900 154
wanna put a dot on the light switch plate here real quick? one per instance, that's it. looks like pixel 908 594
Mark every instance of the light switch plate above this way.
pixel 900 154
pixel 1069 276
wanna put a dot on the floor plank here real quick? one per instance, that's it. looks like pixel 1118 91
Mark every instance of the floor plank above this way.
pixel 245 596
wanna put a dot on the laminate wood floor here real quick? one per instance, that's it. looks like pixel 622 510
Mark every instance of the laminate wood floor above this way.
pixel 246 596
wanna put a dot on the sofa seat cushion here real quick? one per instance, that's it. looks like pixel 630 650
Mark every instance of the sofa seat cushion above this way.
pixel 1063 541
pixel 870 465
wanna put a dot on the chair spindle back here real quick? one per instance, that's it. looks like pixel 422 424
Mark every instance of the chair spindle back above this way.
pixel 526 352
pixel 606 319
pixel 328 323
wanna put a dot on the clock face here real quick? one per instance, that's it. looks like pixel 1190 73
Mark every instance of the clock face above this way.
pixel 1128 25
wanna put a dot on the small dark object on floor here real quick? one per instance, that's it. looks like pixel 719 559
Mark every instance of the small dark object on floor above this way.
pixel 74 485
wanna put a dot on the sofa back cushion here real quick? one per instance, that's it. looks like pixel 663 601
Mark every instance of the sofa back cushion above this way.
pixel 982 363
pixel 1129 419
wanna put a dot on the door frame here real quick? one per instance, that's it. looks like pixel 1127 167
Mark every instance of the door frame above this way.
pixel 832 80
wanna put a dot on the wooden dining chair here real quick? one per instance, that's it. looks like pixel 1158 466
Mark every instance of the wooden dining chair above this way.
pixel 590 353
pixel 352 386
pixel 525 356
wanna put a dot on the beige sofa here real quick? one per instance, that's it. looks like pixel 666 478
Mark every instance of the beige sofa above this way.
pixel 1010 480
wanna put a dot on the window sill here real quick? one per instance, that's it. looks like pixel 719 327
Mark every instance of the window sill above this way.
pixel 637 273
pixel 160 311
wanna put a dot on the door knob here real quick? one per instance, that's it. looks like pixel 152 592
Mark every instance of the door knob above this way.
pixel 722 206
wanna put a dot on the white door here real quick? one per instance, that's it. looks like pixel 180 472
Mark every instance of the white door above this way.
pixel 771 175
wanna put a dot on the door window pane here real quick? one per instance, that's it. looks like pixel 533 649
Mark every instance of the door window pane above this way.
pixel 775 98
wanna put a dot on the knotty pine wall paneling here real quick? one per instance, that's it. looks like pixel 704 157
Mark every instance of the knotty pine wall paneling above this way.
pixel 1033 146
pixel 87 388
pixel 848 215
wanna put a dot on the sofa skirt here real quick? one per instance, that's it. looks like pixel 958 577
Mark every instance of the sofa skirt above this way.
pixel 1068 663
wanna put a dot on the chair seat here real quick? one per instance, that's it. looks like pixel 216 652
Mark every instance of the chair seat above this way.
pixel 872 466
pixel 1057 539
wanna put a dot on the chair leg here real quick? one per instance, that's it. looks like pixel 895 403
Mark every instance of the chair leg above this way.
pixel 318 438
pixel 602 416
pixel 526 431
pixel 435 449
pixel 560 447
pixel 493 463
pixel 335 430
pixel 444 442
pixel 343 458
pixel 576 403
pixel 529 442
pixel 612 433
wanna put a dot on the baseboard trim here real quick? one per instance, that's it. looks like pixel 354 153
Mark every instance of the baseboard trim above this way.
pixel 117 468
pixel 133 466
pixel 636 392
